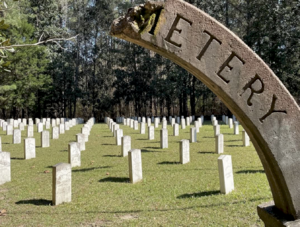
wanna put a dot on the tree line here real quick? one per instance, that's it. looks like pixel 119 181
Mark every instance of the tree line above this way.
pixel 98 75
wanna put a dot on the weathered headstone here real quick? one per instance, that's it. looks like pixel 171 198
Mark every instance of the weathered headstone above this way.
pixel 5 169
pixel 151 132
pixel 30 131
pixel 17 136
pixel 61 128
pixel 115 128
pixel 61 183
pixel 164 138
pixel 197 126
pixel 9 130
pixel 16 123
pixel 47 124
pixel 85 132
pixel 74 154
pixel 184 151
pixel 148 122
pixel 182 123
pixel 225 174
pixel 40 127
pixel 135 165
pixel 4 125
pixel 45 139
pixel 21 126
pixel 156 122
pixel 230 123
pixel 29 148
pixel 176 130
pixel 136 125
pixel 216 130
pixel 219 140
pixel 187 119
pixel 236 128
pixel 193 135
pixel 126 145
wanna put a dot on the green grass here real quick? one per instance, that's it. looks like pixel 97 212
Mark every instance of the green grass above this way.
pixel 170 194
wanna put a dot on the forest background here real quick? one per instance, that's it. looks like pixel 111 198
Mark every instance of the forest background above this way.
pixel 98 75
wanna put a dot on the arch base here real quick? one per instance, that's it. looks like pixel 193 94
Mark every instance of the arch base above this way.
pixel 272 217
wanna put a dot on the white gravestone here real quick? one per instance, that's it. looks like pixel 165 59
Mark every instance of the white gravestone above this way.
pixel 24 121
pixel 236 128
pixel 119 135
pixel 21 126
pixel 4 125
pixel 115 128
pixel 156 122
pixel 67 126
pixel 45 139
pixel 30 131
pixel 226 120
pixel 62 186
pixel 131 123
pixel 74 154
pixel 197 126
pixel 176 130
pixel 0 144
pixel 126 145
pixel 148 122
pixel 16 123
pixel 55 133
pixel 164 138
pixel 85 131
pixel 246 139
pixel 230 123
pixel 5 171
pixel 184 151
pixel 225 174
pixel 9 130
pixel 136 125
pixel 151 132
pixel 80 138
pixel 29 148
pixel 135 165
pixel 187 119
pixel 182 123
pixel 61 128
pixel 142 128
pixel 173 122
pixel 17 136
pixel 164 124
pixel 193 135
pixel 216 130
pixel 47 124
pixel 219 140
pixel 40 127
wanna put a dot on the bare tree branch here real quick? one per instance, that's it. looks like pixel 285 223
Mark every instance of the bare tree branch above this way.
pixel 54 40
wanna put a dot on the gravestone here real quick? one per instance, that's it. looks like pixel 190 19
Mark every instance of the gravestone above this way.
pixel 21 126
pixel 236 128
pixel 197 126
pixel 9 130
pixel 184 151
pixel 4 125
pixel 239 78
pixel 156 122
pixel 187 119
pixel 131 123
pixel 173 122
pixel 61 128
pixel 0 144
pixel 148 122
pixel 5 171
pixel 61 183
pixel 246 139
pixel 47 124
pixel 136 125
pixel 55 133
pixel 16 123
pixel 85 132
pixel 164 124
pixel 142 128
pixel 164 138
pixel 126 145
pixel 176 130
pixel 216 130
pixel 193 135
pixel 225 174
pixel 119 135
pixel 219 140
pixel 80 138
pixel 40 127
pixel 182 123
pixel 135 165
pixel 45 139
pixel 151 132
pixel 29 148
pixel 230 123
pixel 226 120
pixel 74 154
pixel 17 136
pixel 24 121
pixel 115 128
pixel 30 132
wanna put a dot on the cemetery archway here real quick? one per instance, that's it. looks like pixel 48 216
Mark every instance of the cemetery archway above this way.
pixel 217 57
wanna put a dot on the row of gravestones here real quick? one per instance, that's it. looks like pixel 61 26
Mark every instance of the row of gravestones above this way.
pixel 61 172
pixel 134 155
pixel 29 142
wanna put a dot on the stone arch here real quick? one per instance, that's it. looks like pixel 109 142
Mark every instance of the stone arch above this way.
pixel 248 87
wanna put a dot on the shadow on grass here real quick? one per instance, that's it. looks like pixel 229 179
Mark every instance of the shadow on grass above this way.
pixel 148 151
pixel 206 152
pixel 152 147
pixel 200 194
pixel 90 169
pixel 37 202
pixel 15 158
pixel 168 163
pixel 234 145
pixel 208 137
pixel 111 155
pixel 232 140
pixel 107 136
pixel 106 144
pixel 250 171
pixel 63 150
pixel 141 139
pixel 115 179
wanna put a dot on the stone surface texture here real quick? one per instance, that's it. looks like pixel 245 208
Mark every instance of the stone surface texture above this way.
pixel 135 165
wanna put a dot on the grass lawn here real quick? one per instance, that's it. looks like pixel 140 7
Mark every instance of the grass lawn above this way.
pixel 170 194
